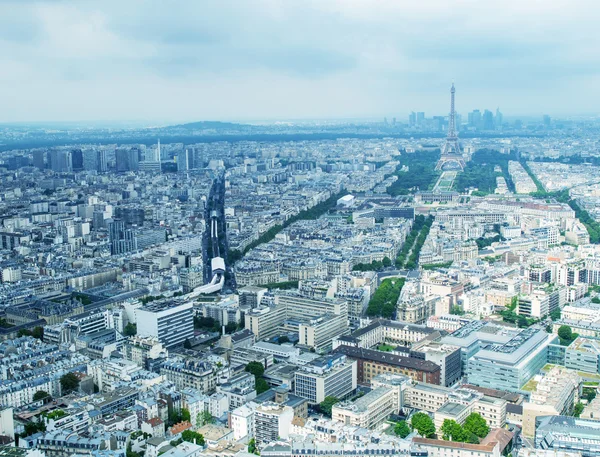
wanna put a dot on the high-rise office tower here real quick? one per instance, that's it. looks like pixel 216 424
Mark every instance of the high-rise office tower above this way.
pixel 151 163
pixel 499 119
pixel 101 161
pixel 122 239
pixel 412 118
pixel 183 160
pixel 547 121
pixel 38 159
pixel 420 117
pixel 90 160
pixel 475 118
pixel 61 161
pixel 488 120
pixel 127 159
pixel 77 159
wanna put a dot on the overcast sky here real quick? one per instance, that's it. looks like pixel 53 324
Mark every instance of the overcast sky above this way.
pixel 187 60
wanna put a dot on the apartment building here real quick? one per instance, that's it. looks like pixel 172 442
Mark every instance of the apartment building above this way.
pixel 371 363
pixel 188 373
pixel 272 422
pixel 555 395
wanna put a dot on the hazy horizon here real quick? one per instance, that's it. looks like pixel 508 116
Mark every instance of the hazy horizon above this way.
pixel 118 62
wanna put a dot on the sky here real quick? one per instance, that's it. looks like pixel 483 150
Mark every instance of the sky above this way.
pixel 168 61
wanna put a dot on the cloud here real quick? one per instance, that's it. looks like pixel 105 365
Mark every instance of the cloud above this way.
pixel 257 59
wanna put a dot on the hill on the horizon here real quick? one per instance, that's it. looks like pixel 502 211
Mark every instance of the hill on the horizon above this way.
pixel 216 125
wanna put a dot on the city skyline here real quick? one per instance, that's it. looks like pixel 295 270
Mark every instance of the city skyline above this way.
pixel 82 61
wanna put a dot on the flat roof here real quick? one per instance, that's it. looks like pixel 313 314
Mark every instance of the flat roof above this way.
pixel 387 358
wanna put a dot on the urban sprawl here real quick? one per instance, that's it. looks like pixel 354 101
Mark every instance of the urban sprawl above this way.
pixel 396 293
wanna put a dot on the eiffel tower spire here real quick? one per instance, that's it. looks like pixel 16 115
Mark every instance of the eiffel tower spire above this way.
pixel 452 119
pixel 451 154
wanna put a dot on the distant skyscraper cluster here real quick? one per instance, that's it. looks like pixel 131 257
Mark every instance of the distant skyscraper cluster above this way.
pixel 485 121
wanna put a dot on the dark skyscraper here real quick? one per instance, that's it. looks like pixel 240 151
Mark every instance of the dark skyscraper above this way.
pixel 61 161
pixel 90 160
pixel 122 239
pixel 77 159
pixel 127 159
pixel 38 159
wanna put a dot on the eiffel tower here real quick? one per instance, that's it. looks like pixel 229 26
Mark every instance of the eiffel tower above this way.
pixel 451 157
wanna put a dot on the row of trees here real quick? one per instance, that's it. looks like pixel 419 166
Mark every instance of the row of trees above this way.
pixel 281 285
pixel 384 300
pixel 416 250
pixel 309 214
pixel 418 224
pixel 474 428
pixel 533 177
pixel 485 242
pixel 36 332
pixel 435 266
pixel 409 254
pixel 480 172
pixel 592 226
pixel 375 265
pixel 421 172
pixel 210 324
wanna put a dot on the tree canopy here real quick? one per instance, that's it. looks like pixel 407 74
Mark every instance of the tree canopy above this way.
pixel 69 382
pixel 402 429
pixel 256 368
pixel 566 335
pixel 40 395
pixel 452 431
pixel 383 302
pixel 422 423
pixel 477 425
pixel 327 404
pixel 192 437
pixel 130 329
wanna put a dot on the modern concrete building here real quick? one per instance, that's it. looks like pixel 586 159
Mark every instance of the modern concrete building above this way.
pixel 319 332
pixel 442 402
pixel 446 356
pixel 272 422
pixel 368 411
pixel 565 433
pixel 583 355
pixel 331 375
pixel 171 322
pixel 509 365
